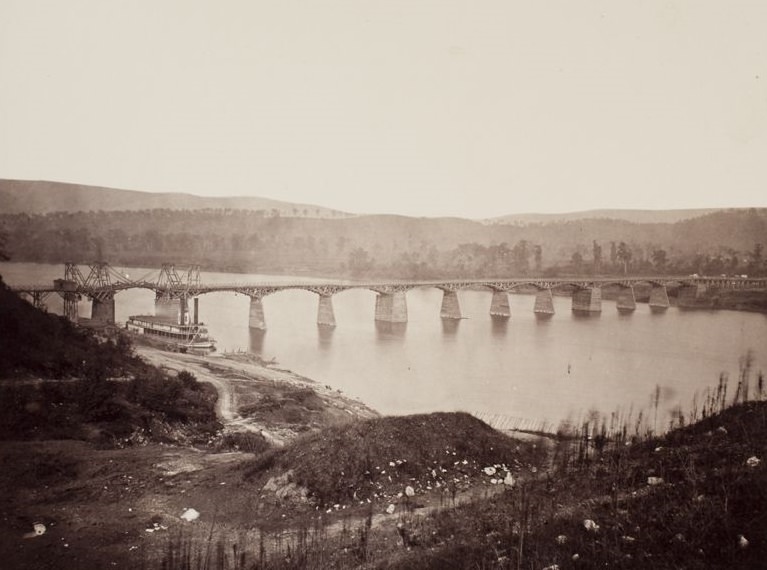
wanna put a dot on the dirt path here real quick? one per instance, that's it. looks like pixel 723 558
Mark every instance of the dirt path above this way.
pixel 227 372
pixel 225 406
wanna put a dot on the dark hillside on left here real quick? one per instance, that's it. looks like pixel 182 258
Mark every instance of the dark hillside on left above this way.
pixel 58 381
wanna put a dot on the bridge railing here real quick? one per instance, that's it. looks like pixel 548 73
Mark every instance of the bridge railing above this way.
pixel 738 282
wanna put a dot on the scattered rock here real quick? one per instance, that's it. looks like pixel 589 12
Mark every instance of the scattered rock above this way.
pixel 590 525
pixel 508 480
pixel 157 526
pixel 489 470
pixel 721 430
pixel 561 539
pixel 655 481
pixel 285 488
pixel 190 515
pixel 391 508
pixel 753 461
pixel 38 529
pixel 409 491
pixel 742 541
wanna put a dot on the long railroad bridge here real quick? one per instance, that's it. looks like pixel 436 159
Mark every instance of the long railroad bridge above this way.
pixel 174 290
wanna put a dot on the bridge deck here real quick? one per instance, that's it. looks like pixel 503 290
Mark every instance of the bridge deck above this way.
pixel 330 287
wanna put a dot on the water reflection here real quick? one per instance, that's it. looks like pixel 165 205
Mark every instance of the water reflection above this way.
pixel 256 337
pixel 450 326
pixel 430 364
pixel 585 314
pixel 390 331
pixel 325 336
pixel 500 325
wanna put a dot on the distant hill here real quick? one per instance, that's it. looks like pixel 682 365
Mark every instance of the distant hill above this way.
pixel 42 197
pixel 634 216
pixel 53 222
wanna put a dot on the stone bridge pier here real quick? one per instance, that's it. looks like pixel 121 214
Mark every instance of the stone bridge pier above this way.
pixel 658 298
pixel 103 308
pixel 325 315
pixel 175 308
pixel 167 307
pixel 687 295
pixel 626 300
pixel 544 303
pixel 256 319
pixel 587 301
pixel 451 307
pixel 391 306
pixel 499 306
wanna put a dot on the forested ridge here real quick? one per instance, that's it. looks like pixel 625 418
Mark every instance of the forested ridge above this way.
pixel 727 241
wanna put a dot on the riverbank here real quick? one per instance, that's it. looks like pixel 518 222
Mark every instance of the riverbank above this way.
pixel 98 506
pixel 258 397
pixel 337 486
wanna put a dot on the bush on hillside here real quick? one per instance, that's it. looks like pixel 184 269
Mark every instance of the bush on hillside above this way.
pixel 40 344
pixel 370 458
pixel 65 382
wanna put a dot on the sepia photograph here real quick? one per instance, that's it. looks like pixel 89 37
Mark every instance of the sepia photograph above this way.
pixel 383 284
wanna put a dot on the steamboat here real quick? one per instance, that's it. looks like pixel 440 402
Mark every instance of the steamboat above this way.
pixel 173 328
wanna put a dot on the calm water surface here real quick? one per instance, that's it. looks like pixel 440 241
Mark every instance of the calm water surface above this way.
pixel 524 367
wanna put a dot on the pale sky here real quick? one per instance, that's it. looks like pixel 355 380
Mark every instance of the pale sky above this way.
pixel 474 108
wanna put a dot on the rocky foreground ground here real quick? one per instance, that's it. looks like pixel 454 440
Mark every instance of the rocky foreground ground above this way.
pixel 98 505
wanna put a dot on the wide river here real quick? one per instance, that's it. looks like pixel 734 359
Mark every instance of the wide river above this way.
pixel 524 368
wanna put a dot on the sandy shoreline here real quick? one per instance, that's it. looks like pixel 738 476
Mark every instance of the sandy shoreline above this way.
pixel 240 377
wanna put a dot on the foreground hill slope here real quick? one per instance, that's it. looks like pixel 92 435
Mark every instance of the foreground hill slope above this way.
pixel 58 381
pixel 377 458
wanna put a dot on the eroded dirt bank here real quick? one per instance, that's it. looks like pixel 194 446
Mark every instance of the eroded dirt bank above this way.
pixel 114 508
pixel 253 396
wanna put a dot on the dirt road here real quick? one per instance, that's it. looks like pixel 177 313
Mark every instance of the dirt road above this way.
pixel 233 374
